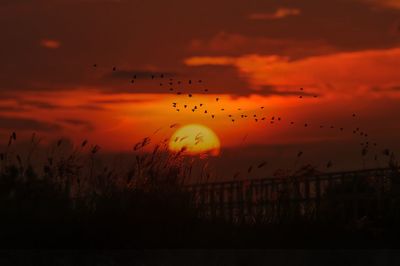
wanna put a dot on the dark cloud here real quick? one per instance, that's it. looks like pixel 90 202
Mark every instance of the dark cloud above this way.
pixel 11 108
pixel 37 104
pixel 120 101
pixel 274 91
pixel 386 89
pixel 89 107
pixel 80 123
pixel 140 74
pixel 141 35
pixel 26 124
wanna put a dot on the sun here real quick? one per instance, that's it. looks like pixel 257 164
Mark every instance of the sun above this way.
pixel 195 139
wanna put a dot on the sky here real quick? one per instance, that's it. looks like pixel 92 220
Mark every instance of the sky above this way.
pixel 344 54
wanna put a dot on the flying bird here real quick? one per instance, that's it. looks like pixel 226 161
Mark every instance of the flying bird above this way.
pixel 262 164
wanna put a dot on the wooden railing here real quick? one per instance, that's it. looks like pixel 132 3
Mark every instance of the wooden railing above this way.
pixel 309 197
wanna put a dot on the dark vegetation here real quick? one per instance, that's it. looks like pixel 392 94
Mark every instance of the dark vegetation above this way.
pixel 72 199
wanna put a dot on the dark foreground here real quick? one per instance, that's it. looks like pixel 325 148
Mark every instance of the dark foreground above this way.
pixel 200 257
pixel 72 201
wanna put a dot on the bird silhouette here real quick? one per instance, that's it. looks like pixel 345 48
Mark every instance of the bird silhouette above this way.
pixel 262 164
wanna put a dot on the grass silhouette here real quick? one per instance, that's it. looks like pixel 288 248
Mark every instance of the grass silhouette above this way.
pixel 75 199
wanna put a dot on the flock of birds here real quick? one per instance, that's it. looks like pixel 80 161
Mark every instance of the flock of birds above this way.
pixel 183 88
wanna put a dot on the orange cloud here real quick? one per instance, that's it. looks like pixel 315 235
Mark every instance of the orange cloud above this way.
pixel 278 14
pixel 50 44
pixel 346 72
pixel 236 44
pixel 385 3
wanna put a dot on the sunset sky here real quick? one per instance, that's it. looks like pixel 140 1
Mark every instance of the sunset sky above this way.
pixel 250 54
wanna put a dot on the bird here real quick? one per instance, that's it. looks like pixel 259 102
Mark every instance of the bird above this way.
pixel 212 116
pixel 299 153
pixel 94 65
pixel 261 164
pixel 217 99
pixel 190 95
pixel 329 164
pixel 114 69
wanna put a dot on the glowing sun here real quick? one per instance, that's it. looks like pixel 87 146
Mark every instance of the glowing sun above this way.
pixel 195 139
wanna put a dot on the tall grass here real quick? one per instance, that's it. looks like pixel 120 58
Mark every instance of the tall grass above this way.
pixel 72 197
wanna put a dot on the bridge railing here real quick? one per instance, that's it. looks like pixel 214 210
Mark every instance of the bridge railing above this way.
pixel 298 197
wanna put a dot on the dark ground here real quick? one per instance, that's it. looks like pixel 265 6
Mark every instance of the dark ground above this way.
pixel 200 257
